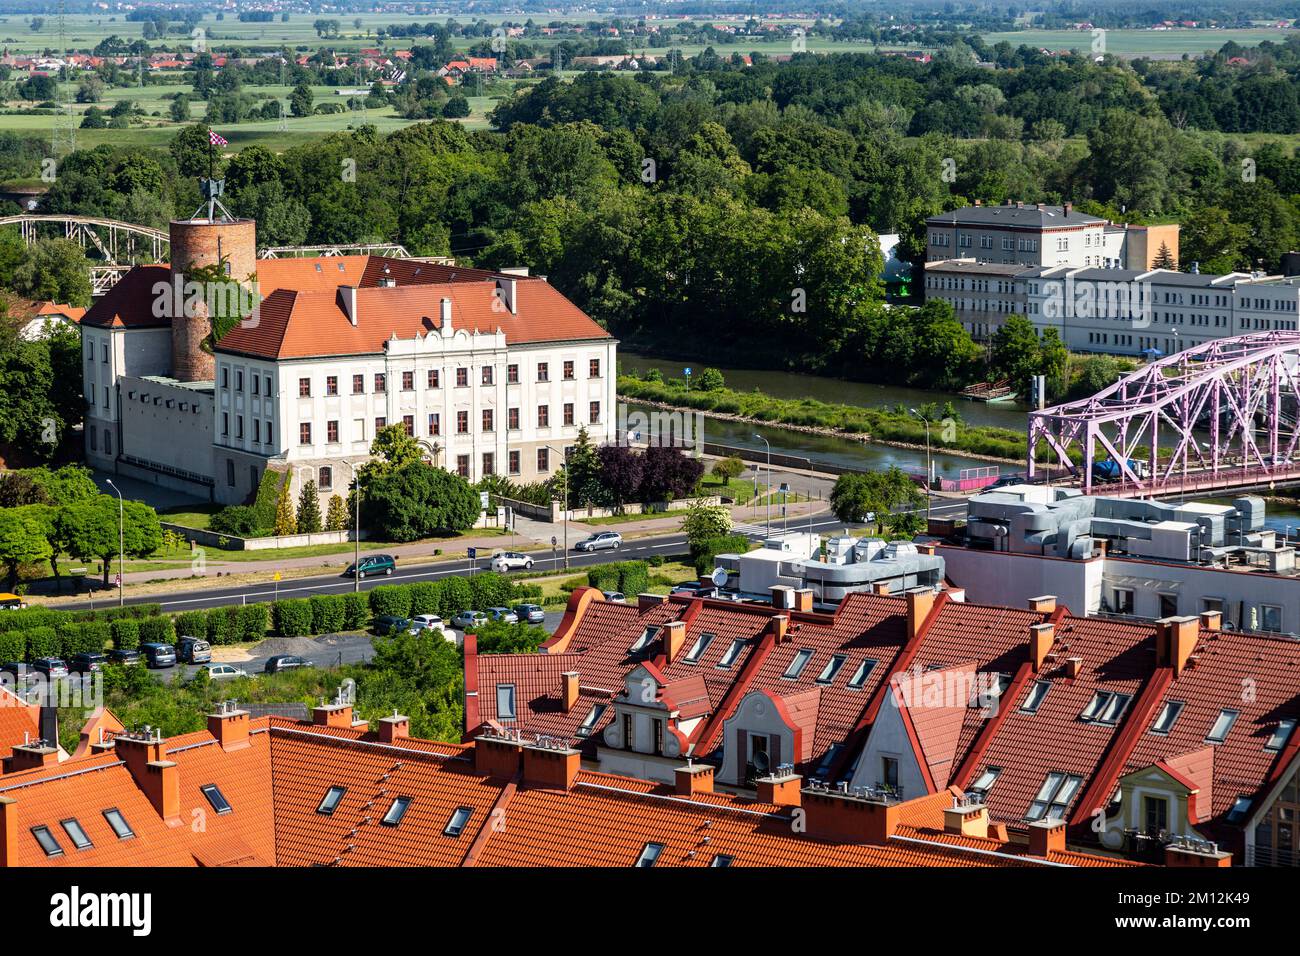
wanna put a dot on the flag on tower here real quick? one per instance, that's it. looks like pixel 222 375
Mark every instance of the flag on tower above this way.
pixel 216 139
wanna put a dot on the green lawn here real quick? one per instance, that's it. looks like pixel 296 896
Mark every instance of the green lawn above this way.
pixel 1134 42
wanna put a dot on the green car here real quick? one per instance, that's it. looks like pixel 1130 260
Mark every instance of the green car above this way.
pixel 371 565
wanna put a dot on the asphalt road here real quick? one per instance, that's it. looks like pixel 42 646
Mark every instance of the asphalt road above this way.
pixel 633 549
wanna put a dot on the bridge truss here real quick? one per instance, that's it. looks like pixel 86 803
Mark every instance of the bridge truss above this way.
pixel 1229 407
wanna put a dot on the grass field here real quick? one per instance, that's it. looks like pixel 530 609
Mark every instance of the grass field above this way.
pixel 1139 42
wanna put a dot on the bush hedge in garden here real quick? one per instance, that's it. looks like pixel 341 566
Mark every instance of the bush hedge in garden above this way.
pixel 192 623
pixel 13 646
pixel 42 642
pixel 126 633
pixel 221 626
pixel 356 611
pixel 253 621
pixel 630 577
pixel 327 613
pixel 157 630
pixel 391 599
pixel 426 597
pixel 456 596
pixel 293 617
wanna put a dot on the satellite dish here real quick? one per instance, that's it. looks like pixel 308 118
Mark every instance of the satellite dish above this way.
pixel 719 577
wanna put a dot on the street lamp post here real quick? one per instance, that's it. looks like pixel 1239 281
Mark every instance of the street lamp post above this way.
pixel 769 481
pixel 356 486
pixel 929 467
pixel 121 546
pixel 565 456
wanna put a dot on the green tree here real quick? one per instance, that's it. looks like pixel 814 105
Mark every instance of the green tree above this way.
pixel 336 515
pixel 286 522
pixel 711 380
pixel 419 501
pixel 309 521
pixel 23 540
pixel 856 495
pixel 300 100
pixel 90 529
pixel 702 522
pixel 728 469
pixel 1016 354
pixel 55 269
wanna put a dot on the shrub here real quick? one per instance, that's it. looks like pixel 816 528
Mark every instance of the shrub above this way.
pixel 633 576
pixel 490 589
pixel 192 623
pixel 704 551
pixel 42 642
pixel 222 625
pixel 526 592
pixel 327 613
pixel 13 645
pixel 126 633
pixel 356 612
pixel 293 617
pixel 456 596
pixel 426 597
pixel 393 599
pixel 604 577
pixel 239 521
pixel 252 622
pixel 157 630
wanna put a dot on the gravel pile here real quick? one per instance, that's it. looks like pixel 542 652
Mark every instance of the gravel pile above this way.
pixel 300 646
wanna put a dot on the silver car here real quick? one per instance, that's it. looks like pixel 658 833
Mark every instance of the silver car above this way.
pixel 602 541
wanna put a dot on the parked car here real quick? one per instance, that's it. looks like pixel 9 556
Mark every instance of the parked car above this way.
pixel 224 671
pixel 615 597
pixel 387 624
pixel 503 614
pixel 158 655
pixel 469 619
pixel 124 655
pixel 285 662
pixel 427 622
pixel 532 613
pixel 371 565
pixel 51 667
pixel 20 675
pixel 193 650
pixel 87 663
pixel 603 541
pixel 511 561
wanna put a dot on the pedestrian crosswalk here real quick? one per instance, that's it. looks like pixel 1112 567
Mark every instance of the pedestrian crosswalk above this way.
pixel 752 530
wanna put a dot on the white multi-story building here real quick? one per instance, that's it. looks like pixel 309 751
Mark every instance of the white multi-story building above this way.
pixel 495 373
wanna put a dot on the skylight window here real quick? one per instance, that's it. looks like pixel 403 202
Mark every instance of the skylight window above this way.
pixel 330 803
pixel 1281 735
pixel 861 674
pixel 699 647
pixel 505 701
pixel 1167 717
pixel 588 725
pixel 824 767
pixel 1034 699
pixel 1222 724
pixel 459 817
pixel 831 669
pixel 119 824
pixel 650 854
pixel 644 640
pixel 1106 707
pixel 47 841
pixel 1054 797
pixel 733 652
pixel 984 782
pixel 396 811
pixel 1240 807
pixel 76 833
pixel 988 689
pixel 216 798
pixel 722 860
pixel 797 665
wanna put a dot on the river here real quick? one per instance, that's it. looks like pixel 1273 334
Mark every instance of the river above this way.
pixel 843 452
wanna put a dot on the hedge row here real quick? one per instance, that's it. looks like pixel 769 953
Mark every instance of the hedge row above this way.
pixel 321 614
pixel 450 595
pixel 703 552
pixel 51 617
pixel 67 638
pixel 629 577
pixel 225 625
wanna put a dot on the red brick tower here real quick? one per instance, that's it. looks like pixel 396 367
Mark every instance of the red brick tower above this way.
pixel 197 243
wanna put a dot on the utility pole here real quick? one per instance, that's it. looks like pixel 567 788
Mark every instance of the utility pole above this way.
pixel 565 456
pixel 121 546
pixel 769 482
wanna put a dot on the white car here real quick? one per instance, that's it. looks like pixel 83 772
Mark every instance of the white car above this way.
pixel 427 622
pixel 224 671
pixel 511 561
pixel 469 619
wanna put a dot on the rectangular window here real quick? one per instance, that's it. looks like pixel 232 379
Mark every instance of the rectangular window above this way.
pixel 119 824
pixel 225 377
pixel 330 802
pixel 1270 617
pixel 1167 717
pixel 489 464
pixel 543 372
pixel 589 724
pixel 1034 699
pixel 512 374
pixel 380 423
pixel 985 781
pixel 1054 797
pixel 568 371
pixel 216 798
pixel 512 419
pixel 649 854
pixel 76 834
pixel 324 478
pixel 543 416
pixel 593 413
pixel 888 773
pixel 1281 735
pixel 381 383
pixel 699 647
pixel 543 460
pixel 435 423
pixel 593 368
pixel 459 817
pixel 408 424
pixel 331 384
pixel 268 386
pixel 861 674
pixel 488 421
pixel 47 841
pixel 396 810
pixel 797 665
pixel 513 459
pixel 358 384
pixel 462 378
pixel 1222 724
pixel 239 426
pixel 239 380
pixel 225 424
pixel 408 381
pixel 434 379
pixel 462 423
pixel 568 413
pixel 732 653
pixel 332 432
pixel 462 465
pixel 831 669
pixel 486 373
pixel 304 388
pixel 257 380
pixel 304 433
pixel 1106 707
pixel 505 701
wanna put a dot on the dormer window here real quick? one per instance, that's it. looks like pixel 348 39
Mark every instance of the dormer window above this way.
pixel 505 701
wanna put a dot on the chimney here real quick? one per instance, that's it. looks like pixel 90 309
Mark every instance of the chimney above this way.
pixel 553 765
pixel 644 601
pixel 1211 620
pixel 779 624
pixel 1045 604
pixel 348 302
pixel 1073 665
pixel 394 728
pixel 925 547
pixel 570 689
pixel 1041 638
pixel 782 791
pixel 919 603
pixel 1201 855
pixel 674 635
pixel 229 726
pixel 48 724
pixel 8 831
pixel 1046 837
pixel 444 315
pixel 693 779
pixel 846 818
pixel 880 588
pixel 977 202
pixel 803 599
pixel 782 596
pixel 505 294
pixel 32 755
pixel 1069 208
pixel 158 779
pixel 497 756
pixel 968 820
pixel 1175 641
pixel 332 715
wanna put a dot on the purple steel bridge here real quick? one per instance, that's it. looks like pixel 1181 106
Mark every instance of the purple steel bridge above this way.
pixel 1226 410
